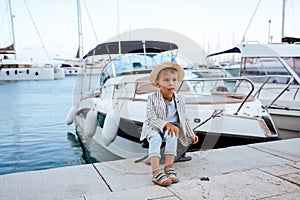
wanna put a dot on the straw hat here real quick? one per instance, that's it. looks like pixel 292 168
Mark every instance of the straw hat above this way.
pixel 163 65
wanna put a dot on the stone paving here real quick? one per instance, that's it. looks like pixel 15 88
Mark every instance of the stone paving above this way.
pixel 265 171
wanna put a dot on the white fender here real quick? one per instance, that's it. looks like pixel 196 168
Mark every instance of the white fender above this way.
pixel 71 115
pixel 90 125
pixel 110 127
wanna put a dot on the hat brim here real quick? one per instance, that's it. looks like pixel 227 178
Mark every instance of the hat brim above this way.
pixel 158 68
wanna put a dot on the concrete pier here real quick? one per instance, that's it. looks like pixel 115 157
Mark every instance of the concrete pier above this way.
pixel 258 171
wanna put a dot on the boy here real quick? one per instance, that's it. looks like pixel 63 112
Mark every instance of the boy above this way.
pixel 166 118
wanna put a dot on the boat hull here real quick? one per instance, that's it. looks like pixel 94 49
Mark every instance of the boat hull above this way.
pixel 128 145
pixel 210 140
pixel 122 146
pixel 285 111
pixel 72 71
pixel 19 74
pixel 286 120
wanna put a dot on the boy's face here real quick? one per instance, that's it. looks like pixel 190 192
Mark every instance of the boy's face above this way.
pixel 168 82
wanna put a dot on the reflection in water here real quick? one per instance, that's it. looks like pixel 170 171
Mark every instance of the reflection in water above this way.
pixel 76 142
pixel 93 152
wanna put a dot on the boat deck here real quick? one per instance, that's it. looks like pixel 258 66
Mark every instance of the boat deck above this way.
pixel 258 171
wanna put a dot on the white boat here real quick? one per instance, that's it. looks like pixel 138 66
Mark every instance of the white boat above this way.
pixel 15 70
pixel 71 67
pixel 72 71
pixel 275 70
pixel 110 108
pixel 12 69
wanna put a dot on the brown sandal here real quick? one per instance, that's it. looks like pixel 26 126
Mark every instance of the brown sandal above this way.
pixel 171 173
pixel 160 178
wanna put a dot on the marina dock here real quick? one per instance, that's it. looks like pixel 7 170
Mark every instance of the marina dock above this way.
pixel 258 171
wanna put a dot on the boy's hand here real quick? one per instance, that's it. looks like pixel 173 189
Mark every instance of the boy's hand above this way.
pixel 195 139
pixel 172 130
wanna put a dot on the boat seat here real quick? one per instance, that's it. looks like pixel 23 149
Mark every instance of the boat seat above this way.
pixel 145 88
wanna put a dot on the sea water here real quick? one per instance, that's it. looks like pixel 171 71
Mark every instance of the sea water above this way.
pixel 33 130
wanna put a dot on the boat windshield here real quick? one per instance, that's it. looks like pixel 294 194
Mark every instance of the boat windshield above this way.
pixel 138 64
pixel 257 68
pixel 294 63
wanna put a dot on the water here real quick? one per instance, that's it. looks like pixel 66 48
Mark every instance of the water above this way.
pixel 33 132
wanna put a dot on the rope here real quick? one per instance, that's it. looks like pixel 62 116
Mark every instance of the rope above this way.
pixel 90 19
pixel 43 45
pixel 216 113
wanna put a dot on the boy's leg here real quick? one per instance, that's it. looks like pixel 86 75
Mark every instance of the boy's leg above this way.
pixel 170 150
pixel 159 177
pixel 155 142
pixel 169 160
pixel 154 160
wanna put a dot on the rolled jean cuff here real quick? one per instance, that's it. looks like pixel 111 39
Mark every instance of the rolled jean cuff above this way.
pixel 154 155
pixel 171 153
pixel 155 142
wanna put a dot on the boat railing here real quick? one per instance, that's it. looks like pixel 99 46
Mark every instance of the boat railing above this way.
pixel 129 90
pixel 282 91
pixel 236 82
pixel 137 91
pixel 267 79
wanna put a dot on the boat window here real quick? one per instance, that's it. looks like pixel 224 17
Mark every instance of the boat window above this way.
pixel 263 67
pixel 294 63
pixel 137 64
pixel 104 77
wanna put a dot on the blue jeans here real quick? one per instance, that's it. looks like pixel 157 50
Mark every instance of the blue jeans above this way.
pixel 156 140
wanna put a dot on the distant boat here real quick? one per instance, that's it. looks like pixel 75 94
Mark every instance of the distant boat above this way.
pixel 275 70
pixel 12 69
pixel 15 70
pixel 73 66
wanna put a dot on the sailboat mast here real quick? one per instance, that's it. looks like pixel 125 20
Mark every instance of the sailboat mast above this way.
pixel 283 18
pixel 12 28
pixel 80 42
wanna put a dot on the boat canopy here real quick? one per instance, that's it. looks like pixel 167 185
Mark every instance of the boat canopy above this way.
pixel 233 50
pixel 264 50
pixel 290 40
pixel 137 46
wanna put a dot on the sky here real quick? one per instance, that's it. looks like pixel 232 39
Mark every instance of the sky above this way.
pixel 49 28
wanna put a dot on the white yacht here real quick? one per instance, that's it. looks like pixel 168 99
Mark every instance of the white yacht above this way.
pixel 13 69
pixel 275 70
pixel 70 66
pixel 110 107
